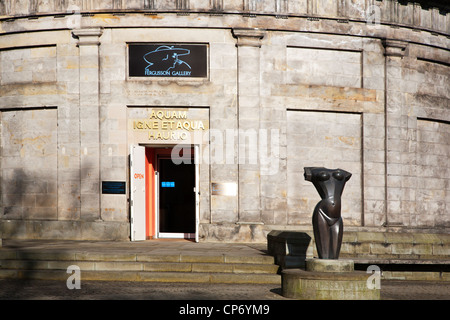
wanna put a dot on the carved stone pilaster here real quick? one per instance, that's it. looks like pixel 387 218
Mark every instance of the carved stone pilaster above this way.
pixel 89 105
pixel 248 37
pixel 88 37
pixel 248 108
pixel 395 48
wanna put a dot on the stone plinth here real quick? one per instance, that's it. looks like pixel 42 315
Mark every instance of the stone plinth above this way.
pixel 290 248
pixel 329 265
pixel 327 280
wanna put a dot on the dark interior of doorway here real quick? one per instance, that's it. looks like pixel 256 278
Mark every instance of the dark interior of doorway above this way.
pixel 177 197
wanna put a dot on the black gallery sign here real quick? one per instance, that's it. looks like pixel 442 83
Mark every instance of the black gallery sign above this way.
pixel 167 60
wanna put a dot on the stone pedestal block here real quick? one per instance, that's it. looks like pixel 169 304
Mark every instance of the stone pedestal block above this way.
pixel 290 248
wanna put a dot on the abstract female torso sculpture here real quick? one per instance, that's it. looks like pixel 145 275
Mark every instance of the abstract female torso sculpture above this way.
pixel 327 220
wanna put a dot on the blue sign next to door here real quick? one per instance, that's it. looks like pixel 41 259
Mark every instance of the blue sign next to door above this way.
pixel 167 184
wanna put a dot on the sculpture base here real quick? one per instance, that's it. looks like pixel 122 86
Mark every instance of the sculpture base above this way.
pixel 329 265
pixel 327 280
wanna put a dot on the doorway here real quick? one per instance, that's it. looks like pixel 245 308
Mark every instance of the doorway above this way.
pixel 176 205
pixel 168 203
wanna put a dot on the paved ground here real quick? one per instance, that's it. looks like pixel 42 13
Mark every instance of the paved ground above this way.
pixel 102 290
pixel 99 290
pixel 166 247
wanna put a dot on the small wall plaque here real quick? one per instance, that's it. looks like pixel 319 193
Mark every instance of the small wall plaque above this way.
pixel 224 189
pixel 113 187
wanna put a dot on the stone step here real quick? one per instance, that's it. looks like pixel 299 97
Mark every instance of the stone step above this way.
pixel 140 266
pixel 193 277
pixel 119 266
pixel 36 255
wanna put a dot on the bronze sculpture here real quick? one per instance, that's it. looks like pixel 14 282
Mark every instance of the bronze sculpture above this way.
pixel 327 220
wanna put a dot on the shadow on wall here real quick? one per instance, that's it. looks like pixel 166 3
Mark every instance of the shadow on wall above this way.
pixel 29 211
pixel 22 199
pixel 29 205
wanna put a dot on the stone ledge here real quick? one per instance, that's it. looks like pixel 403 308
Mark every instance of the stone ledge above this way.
pixel 355 275
pixel 402 261
pixel 64 230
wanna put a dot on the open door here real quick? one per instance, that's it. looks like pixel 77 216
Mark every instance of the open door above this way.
pixel 164 195
pixel 137 193
pixel 197 190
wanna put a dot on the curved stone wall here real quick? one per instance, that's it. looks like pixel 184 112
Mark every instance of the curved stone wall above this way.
pixel 426 15
pixel 325 83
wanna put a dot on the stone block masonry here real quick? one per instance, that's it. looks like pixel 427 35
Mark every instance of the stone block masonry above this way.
pixel 325 86
pixel 29 141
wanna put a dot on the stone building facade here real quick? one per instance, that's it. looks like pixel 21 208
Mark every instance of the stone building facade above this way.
pixel 362 85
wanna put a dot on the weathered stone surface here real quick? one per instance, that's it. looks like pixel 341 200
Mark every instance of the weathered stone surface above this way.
pixel 329 265
pixel 306 285
pixel 64 230
pixel 370 98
